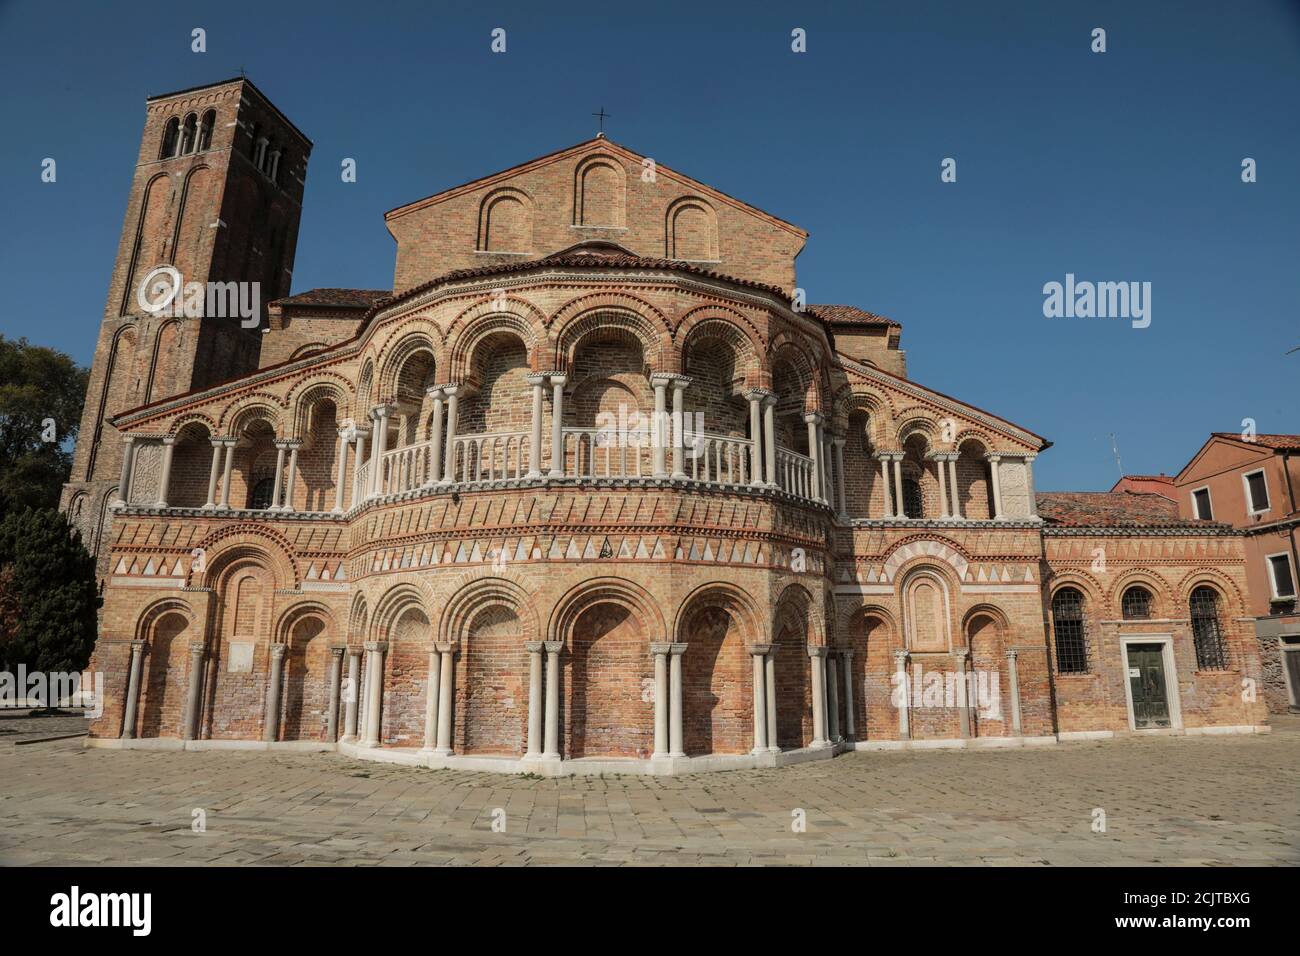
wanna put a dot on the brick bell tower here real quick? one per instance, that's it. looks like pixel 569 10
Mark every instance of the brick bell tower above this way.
pixel 216 196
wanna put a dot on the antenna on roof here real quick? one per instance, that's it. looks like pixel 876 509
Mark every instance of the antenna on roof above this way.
pixel 602 115
pixel 1114 447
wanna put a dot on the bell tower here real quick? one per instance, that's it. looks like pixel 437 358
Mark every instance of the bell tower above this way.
pixel 216 198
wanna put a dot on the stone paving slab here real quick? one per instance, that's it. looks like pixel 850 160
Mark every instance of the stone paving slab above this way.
pixel 1168 801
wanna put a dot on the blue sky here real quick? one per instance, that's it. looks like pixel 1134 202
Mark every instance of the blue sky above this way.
pixel 1122 166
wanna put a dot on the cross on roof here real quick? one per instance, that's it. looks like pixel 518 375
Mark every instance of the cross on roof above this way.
pixel 602 116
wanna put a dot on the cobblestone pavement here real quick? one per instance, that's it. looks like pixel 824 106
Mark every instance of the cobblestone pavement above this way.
pixel 1180 800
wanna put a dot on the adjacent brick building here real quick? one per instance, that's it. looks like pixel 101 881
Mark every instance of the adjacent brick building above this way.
pixel 590 488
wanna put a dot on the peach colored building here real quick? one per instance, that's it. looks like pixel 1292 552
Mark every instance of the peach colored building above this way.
pixel 590 488
pixel 1251 482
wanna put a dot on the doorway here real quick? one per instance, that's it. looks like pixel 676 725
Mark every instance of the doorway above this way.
pixel 1148 689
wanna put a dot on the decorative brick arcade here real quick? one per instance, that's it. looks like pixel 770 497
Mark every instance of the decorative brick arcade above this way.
pixel 586 491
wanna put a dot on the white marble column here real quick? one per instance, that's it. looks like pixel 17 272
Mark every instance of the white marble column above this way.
pixel 435 437
pixel 769 440
pixel 675 652
pixel 679 425
pixel 769 674
pixel 280 446
pixel 124 478
pixel 660 430
pixel 941 466
pixel 213 472
pixel 552 735
pixel 817 661
pixel 660 651
pixel 850 730
pixel 1029 484
pixel 165 479
pixel 755 397
pixel 884 479
pixel 535 701
pixel 335 678
pixel 341 456
pixel 900 505
pixel 952 487
pixel 759 652
pixel 557 433
pixel 351 694
pixel 840 484
pixel 374 691
pixel 379 414
pixel 432 689
pixel 292 479
pixel 833 696
pixel 963 693
pixel 132 690
pixel 271 719
pixel 904 695
pixel 193 693
pixel 359 491
pixel 814 422
pixel 1013 682
pixel 994 461
pixel 446 696
pixel 538 382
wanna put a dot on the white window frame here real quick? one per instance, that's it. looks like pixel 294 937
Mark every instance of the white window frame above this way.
pixel 1208 497
pixel 1250 500
pixel 1272 580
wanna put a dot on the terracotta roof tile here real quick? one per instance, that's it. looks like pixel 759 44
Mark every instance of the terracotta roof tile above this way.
pixel 849 315
pixel 1121 509
pixel 336 298
pixel 1279 442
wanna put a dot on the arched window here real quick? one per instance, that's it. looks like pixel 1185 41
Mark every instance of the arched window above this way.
pixel 189 134
pixel 259 498
pixel 171 137
pixel 1136 604
pixel 1206 633
pixel 205 130
pixel 1067 628
pixel 912 503
pixel 259 153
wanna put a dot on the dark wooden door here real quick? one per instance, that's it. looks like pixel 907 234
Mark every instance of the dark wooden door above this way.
pixel 1146 676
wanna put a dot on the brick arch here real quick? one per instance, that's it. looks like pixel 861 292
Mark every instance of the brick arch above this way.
pixel 1162 595
pixel 241 413
pixel 306 629
pixel 727 595
pixel 399 350
pixel 583 214
pixel 745 351
pixel 393 605
pixel 796 356
pixel 468 339
pixel 851 399
pixel 1093 591
pixel 918 421
pixel 470 594
pixel 313 385
pixel 793 631
pixel 1214 578
pixel 872 667
pixel 255 540
pixel 928 628
pixel 717 622
pixel 358 619
pixel 706 315
pixel 181 422
pixel 580 315
pixel 517 223
pixel 607 625
pixel 166 676
pixel 918 547
pixel 679 243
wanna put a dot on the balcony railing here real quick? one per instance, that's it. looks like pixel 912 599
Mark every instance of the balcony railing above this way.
pixel 794 473
pixel 588 453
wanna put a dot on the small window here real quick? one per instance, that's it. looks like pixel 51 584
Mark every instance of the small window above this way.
pixel 171 137
pixel 1067 629
pixel 912 505
pixel 1136 604
pixel 205 130
pixel 189 134
pixel 1257 490
pixel 1280 572
pixel 1201 497
pixel 259 499
pixel 1206 632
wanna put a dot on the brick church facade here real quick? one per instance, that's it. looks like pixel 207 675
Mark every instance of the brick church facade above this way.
pixel 590 488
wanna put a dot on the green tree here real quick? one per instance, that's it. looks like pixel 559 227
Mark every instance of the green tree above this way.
pixel 41 394
pixel 49 591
